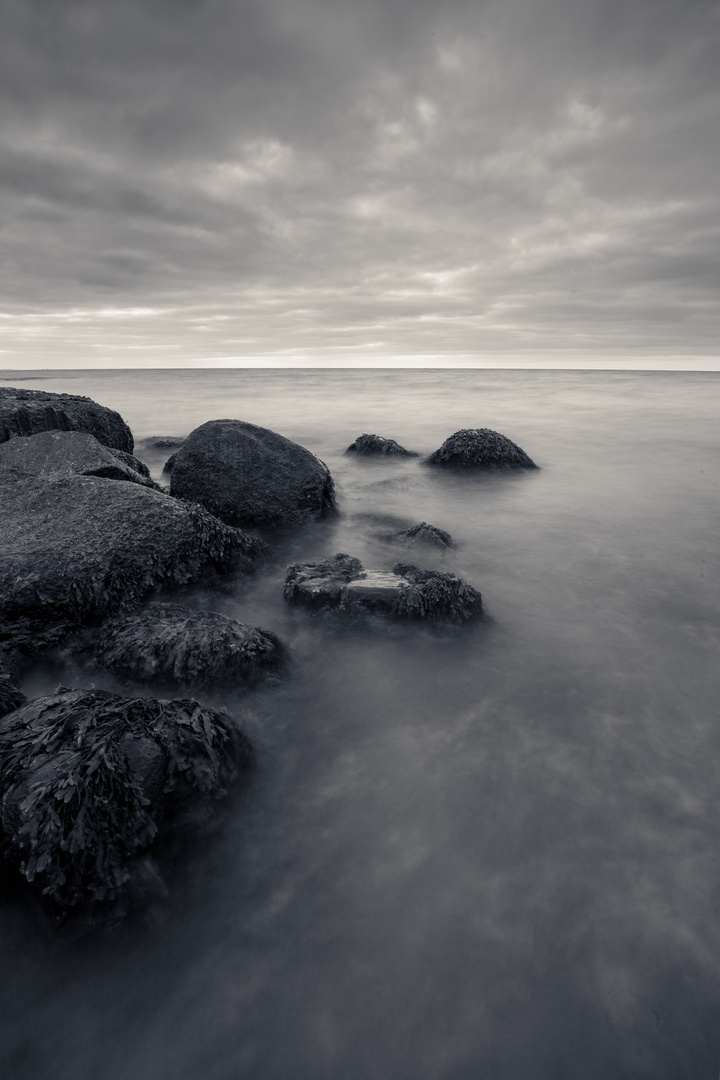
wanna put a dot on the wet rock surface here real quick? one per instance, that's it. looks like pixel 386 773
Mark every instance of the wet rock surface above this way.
pixel 10 695
pixel 89 780
pixel 341 583
pixel 251 476
pixel 64 453
pixel 480 448
pixel 376 445
pixel 28 412
pixel 421 534
pixel 76 549
pixel 169 644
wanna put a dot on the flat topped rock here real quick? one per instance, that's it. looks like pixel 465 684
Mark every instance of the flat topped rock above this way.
pixel 341 583
pixel 480 448
pixel 170 644
pixel 62 453
pixel 251 476
pixel 376 445
pixel 28 412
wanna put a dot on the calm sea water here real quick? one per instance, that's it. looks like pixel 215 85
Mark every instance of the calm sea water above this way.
pixel 489 854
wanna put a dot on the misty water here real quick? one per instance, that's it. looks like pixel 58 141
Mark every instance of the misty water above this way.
pixel 487 853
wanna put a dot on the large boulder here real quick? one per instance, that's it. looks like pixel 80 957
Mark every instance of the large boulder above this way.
pixel 342 584
pixel 64 453
pixel 10 696
pixel 88 779
pixel 76 549
pixel 480 448
pixel 250 476
pixel 376 445
pixel 168 644
pixel 27 412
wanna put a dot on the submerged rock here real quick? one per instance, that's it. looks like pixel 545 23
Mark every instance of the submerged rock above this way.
pixel 10 696
pixel 422 534
pixel 250 476
pixel 376 445
pixel 27 412
pixel 77 549
pixel 88 779
pixel 63 453
pixel 162 442
pixel 171 644
pixel 480 448
pixel 341 583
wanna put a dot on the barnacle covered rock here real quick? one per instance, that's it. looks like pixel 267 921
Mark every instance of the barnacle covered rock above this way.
pixel 480 448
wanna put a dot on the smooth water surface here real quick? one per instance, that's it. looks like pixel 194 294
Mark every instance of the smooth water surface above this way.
pixel 493 853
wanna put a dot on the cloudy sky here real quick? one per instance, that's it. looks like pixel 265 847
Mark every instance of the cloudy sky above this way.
pixel 359 181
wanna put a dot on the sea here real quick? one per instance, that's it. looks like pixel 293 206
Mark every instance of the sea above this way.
pixel 491 853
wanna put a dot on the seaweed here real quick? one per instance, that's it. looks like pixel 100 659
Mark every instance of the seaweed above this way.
pixel 76 810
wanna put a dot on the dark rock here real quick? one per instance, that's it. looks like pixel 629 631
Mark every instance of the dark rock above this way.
pixel 375 444
pixel 77 549
pixel 342 584
pixel 168 466
pixel 250 476
pixel 480 448
pixel 10 695
pixel 173 645
pixel 422 534
pixel 27 412
pixel 162 442
pixel 88 780
pixel 64 453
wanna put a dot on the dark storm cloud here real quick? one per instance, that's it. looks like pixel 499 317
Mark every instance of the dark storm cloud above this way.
pixel 298 176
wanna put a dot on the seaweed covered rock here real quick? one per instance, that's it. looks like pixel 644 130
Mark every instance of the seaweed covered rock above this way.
pixel 376 445
pixel 341 583
pixel 77 549
pixel 250 476
pixel 480 448
pixel 88 780
pixel 27 412
pixel 10 696
pixel 173 645
pixel 63 453
pixel 422 534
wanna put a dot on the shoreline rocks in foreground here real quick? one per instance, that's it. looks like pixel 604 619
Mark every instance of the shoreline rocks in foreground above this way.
pixel 169 644
pixel 76 549
pixel 341 583
pixel 251 476
pixel 28 412
pixel 62 453
pixel 376 445
pixel 480 448
pixel 89 780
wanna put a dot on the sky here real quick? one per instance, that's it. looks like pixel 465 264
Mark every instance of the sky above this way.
pixel 359 182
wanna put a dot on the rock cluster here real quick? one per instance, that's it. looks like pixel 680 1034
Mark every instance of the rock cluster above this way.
pixel 27 412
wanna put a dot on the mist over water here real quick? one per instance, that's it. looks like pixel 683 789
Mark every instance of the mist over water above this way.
pixel 487 853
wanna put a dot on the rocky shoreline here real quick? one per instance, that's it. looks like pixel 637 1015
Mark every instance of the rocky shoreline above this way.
pixel 93 553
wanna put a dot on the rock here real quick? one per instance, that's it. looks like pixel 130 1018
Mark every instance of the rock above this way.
pixel 480 448
pixel 88 780
pixel 341 583
pixel 168 466
pixel 64 453
pixel 27 412
pixel 173 645
pixel 162 442
pixel 77 549
pixel 10 696
pixel 250 476
pixel 375 444
pixel 422 534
